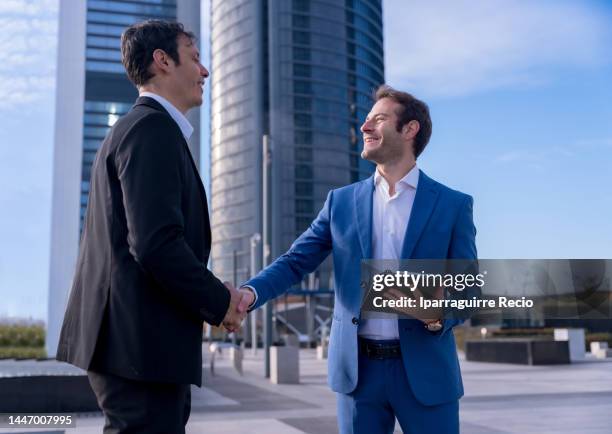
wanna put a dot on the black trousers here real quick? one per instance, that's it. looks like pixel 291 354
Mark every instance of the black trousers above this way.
pixel 134 407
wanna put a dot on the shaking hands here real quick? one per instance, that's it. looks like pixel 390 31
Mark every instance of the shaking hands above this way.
pixel 240 300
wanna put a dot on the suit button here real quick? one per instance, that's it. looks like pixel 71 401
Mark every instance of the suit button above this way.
pixel 355 321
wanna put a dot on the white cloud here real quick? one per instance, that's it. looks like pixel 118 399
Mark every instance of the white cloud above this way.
pixel 28 7
pixel 28 42
pixel 452 47
pixel 18 92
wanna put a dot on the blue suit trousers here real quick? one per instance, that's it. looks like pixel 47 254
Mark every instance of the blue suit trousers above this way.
pixel 382 395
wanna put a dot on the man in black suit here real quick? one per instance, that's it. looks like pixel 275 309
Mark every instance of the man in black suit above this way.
pixel 142 288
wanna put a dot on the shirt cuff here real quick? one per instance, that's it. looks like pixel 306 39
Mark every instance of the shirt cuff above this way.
pixel 254 293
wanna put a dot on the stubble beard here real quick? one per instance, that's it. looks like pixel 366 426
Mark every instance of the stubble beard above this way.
pixel 382 155
pixel 371 155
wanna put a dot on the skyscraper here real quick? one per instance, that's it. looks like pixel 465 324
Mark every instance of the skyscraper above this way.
pixel 301 72
pixel 92 93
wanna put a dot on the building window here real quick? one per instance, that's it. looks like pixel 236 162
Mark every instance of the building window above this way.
pixel 303 154
pixel 301 37
pixel 300 70
pixel 350 48
pixel 303 189
pixel 301 21
pixel 302 54
pixel 303 206
pixel 301 224
pixel 301 5
pixel 302 87
pixel 303 171
pixel 301 103
pixel 167 8
pixel 302 121
pixel 352 80
pixel 303 137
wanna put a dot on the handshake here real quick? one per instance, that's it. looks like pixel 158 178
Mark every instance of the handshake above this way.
pixel 240 300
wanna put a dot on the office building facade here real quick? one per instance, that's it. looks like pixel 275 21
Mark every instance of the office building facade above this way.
pixel 301 72
pixel 92 93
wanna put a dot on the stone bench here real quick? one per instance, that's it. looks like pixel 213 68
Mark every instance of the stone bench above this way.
pixel 524 351
pixel 47 394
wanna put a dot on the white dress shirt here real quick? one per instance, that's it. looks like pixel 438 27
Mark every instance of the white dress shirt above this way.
pixel 179 118
pixel 390 216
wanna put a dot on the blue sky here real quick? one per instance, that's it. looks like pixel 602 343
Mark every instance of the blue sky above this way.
pixel 521 100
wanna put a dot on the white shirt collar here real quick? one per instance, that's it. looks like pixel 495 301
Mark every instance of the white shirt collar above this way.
pixel 179 118
pixel 411 179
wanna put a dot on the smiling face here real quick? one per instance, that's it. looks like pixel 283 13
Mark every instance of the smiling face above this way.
pixel 382 143
pixel 186 79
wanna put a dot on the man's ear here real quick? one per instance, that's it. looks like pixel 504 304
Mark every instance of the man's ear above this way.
pixel 411 129
pixel 161 60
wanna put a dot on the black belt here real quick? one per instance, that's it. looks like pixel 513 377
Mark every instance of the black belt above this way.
pixel 380 350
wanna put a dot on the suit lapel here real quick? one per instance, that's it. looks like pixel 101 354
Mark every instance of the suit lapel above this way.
pixel 424 203
pixel 364 193
pixel 195 170
pixel 201 190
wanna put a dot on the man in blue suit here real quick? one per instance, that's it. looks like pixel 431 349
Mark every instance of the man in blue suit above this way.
pixel 384 368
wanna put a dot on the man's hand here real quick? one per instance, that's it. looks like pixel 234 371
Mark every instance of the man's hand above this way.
pixel 240 300
pixel 246 300
pixel 425 315
pixel 233 318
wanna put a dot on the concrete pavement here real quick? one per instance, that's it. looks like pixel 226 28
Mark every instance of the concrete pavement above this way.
pixel 500 399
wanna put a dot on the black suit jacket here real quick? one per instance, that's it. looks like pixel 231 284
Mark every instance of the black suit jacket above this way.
pixel 142 288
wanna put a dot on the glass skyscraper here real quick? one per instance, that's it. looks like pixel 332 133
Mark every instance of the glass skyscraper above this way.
pixel 93 91
pixel 301 72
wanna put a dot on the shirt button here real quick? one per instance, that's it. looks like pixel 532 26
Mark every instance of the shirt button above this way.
pixel 355 321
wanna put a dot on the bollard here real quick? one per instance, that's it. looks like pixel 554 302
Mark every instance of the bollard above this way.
pixel 322 347
pixel 321 352
pixel 575 341
pixel 600 350
pixel 284 365
pixel 236 357
pixel 291 340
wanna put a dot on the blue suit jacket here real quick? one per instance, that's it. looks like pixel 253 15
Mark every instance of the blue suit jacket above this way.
pixel 441 226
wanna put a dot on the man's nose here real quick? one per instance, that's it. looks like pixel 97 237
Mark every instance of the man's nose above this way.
pixel 366 126
pixel 204 72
